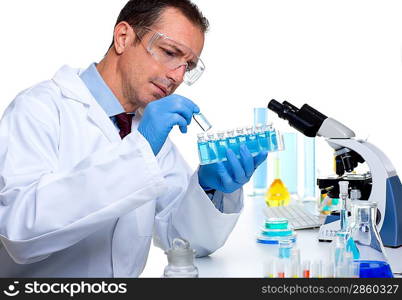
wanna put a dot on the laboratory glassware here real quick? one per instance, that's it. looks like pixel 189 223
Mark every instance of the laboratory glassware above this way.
pixel 180 260
pixel 370 250
pixel 202 121
pixel 277 194
pixel 310 178
pixel 288 163
pixel 221 145
pixel 260 177
pixel 213 150
pixel 203 149
pixel 252 141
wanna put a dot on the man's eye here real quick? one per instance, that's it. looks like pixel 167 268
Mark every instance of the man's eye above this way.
pixel 169 53
pixel 190 65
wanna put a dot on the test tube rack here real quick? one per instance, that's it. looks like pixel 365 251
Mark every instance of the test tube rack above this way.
pixel 212 146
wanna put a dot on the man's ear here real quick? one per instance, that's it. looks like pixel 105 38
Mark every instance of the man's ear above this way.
pixel 124 36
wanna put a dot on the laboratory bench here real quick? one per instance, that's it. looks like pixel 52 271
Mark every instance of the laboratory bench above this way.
pixel 242 256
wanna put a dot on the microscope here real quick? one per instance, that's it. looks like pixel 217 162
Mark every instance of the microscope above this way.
pixel 381 184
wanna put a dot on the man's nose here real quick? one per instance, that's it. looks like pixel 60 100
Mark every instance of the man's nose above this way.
pixel 177 74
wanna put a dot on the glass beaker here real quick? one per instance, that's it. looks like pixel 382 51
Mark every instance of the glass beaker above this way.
pixel 370 251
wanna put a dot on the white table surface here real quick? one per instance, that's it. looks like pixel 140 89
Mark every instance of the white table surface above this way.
pixel 241 256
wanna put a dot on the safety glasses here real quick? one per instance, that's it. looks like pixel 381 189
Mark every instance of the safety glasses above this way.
pixel 172 54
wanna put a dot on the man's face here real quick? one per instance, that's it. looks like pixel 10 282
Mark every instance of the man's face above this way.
pixel 145 79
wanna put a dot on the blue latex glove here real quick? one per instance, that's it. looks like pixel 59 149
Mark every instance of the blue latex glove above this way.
pixel 232 174
pixel 161 115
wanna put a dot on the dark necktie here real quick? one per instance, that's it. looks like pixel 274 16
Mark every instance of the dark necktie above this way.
pixel 124 121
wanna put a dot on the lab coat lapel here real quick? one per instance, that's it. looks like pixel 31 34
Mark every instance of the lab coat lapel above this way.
pixel 74 89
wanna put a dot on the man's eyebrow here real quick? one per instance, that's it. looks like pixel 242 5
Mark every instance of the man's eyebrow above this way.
pixel 179 50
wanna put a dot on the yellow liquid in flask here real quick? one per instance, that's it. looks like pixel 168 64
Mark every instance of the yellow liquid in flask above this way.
pixel 277 194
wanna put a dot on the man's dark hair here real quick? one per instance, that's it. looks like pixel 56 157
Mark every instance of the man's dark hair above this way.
pixel 145 13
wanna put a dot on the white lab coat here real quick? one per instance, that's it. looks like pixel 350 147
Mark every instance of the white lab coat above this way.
pixel 77 201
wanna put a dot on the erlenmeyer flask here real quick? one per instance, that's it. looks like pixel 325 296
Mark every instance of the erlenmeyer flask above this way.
pixel 370 251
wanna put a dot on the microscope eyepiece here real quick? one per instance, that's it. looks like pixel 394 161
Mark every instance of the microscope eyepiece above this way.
pixel 307 120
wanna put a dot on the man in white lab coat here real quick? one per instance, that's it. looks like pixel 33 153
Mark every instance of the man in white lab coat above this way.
pixel 87 172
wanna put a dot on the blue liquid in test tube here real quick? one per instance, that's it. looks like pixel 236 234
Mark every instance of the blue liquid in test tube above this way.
pixel 252 141
pixel 274 140
pixel 203 149
pixel 241 137
pixel 263 140
pixel 221 146
pixel 233 142
pixel 268 131
pixel 213 151
pixel 260 178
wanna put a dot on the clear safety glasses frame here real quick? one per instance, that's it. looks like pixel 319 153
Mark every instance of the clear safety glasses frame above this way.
pixel 173 54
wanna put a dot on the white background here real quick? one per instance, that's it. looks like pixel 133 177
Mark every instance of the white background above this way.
pixel 342 57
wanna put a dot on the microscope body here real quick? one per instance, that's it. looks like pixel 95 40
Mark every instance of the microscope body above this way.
pixel 386 188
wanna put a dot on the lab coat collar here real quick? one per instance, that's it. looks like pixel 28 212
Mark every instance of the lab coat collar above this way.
pixel 73 88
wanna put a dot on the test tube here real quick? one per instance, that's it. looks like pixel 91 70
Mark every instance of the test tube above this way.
pixel 203 149
pixel 285 248
pixel 213 151
pixel 241 137
pixel 269 267
pixel 262 137
pixel 315 269
pixel 280 268
pixel 221 146
pixel 306 269
pixel 295 261
pixel 202 121
pixel 343 195
pixel 252 141
pixel 232 142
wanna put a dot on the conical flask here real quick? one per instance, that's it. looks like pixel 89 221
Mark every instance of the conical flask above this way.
pixel 277 194
pixel 370 251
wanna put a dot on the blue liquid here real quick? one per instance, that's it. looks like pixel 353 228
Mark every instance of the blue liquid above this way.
pixel 241 139
pixel 203 152
pixel 234 145
pixel 221 146
pixel 263 141
pixel 284 252
pixel 374 269
pixel 252 144
pixel 274 141
pixel 213 152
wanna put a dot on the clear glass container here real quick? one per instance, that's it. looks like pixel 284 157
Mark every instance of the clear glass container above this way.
pixel 202 121
pixel 180 260
pixel 221 145
pixel 369 252
pixel 213 150
pixel 252 141
pixel 203 149
pixel 232 142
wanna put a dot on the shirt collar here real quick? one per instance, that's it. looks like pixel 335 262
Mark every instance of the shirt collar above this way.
pixel 101 92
